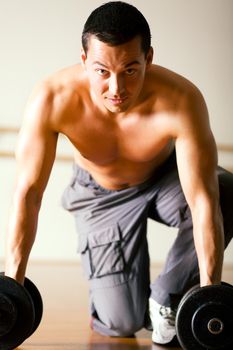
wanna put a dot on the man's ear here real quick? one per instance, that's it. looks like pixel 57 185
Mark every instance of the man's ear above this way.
pixel 149 57
pixel 83 57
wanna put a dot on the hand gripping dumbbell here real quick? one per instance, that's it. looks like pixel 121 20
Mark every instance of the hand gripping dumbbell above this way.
pixel 21 310
pixel 204 318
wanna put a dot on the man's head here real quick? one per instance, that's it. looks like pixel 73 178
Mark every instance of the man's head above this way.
pixel 116 23
pixel 116 55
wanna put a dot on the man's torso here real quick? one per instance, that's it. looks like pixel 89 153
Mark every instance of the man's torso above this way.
pixel 119 150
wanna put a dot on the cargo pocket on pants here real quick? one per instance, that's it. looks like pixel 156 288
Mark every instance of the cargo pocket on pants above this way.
pixel 104 252
pixel 84 251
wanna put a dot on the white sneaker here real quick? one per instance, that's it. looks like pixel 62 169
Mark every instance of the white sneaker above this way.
pixel 163 322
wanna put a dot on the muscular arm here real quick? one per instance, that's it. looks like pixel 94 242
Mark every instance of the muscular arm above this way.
pixel 197 163
pixel 35 155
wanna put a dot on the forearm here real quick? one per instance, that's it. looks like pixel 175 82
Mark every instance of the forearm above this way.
pixel 21 235
pixel 209 242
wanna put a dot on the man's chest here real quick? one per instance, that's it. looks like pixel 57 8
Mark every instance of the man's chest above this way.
pixel 105 144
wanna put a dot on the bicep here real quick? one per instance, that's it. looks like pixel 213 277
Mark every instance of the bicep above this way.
pixel 197 164
pixel 197 157
pixel 36 149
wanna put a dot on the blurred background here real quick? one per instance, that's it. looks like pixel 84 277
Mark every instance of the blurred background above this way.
pixel 193 38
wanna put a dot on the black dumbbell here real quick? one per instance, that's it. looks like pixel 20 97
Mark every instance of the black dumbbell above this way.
pixel 204 318
pixel 21 310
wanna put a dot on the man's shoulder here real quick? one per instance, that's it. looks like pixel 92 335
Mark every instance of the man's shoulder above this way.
pixel 56 96
pixel 64 80
pixel 172 89
pixel 170 79
pixel 61 87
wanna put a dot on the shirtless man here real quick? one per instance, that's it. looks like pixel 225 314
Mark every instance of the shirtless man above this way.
pixel 143 148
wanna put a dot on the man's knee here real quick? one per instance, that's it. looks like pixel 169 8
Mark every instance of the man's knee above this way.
pixel 120 310
pixel 130 326
pixel 120 318
pixel 125 327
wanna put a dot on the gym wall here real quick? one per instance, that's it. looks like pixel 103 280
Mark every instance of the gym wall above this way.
pixel 193 37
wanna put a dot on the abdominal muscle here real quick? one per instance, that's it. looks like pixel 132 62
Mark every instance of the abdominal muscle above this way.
pixel 121 173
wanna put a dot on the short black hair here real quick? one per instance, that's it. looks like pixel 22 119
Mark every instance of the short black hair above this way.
pixel 116 23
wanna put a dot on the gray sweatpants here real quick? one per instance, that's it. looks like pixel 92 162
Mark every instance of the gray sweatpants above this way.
pixel 112 227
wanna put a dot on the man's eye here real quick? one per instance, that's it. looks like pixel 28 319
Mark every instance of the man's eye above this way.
pixel 130 71
pixel 101 72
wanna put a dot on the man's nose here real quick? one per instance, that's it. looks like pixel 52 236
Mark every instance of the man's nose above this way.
pixel 116 85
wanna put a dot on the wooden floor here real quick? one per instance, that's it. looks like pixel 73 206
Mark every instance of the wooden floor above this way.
pixel 65 323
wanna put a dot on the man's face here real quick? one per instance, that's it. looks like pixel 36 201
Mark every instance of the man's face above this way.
pixel 116 73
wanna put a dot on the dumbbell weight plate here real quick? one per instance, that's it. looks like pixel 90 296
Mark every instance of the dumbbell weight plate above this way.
pixel 8 314
pixel 25 314
pixel 200 316
pixel 210 325
pixel 37 301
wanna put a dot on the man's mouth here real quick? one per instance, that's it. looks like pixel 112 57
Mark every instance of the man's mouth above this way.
pixel 117 101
